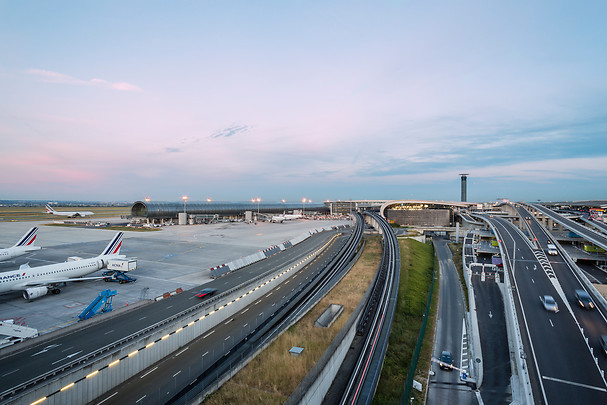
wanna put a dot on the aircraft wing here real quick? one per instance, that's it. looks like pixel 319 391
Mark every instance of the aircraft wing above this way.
pixel 40 283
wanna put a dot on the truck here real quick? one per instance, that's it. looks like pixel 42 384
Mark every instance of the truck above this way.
pixel 122 264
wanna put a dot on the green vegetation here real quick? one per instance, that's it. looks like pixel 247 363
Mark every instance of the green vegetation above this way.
pixel 416 274
pixel 273 375
pixel 456 252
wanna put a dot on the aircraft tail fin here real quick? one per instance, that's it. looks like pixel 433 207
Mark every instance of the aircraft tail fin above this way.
pixel 29 238
pixel 49 209
pixel 113 248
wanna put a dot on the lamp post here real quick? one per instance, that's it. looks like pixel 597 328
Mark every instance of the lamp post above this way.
pixel 185 200
pixel 303 206
pixel 258 200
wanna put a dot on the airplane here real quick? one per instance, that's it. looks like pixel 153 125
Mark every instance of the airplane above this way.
pixel 38 281
pixel 285 217
pixel 25 245
pixel 69 214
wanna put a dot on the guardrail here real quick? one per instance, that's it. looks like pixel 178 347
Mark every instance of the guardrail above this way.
pixel 365 377
pixel 89 358
pixel 302 300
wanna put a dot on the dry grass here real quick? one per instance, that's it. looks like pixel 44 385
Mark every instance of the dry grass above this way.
pixel 12 214
pixel 274 374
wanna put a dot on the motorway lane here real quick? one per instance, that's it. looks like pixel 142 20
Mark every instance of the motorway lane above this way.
pixel 65 348
pixel 446 386
pixel 598 238
pixel 166 378
pixel 561 362
pixel 594 322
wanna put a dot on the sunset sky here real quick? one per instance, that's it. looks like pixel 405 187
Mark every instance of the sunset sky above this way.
pixel 229 100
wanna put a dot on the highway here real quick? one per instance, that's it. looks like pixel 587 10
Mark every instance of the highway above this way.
pixel 446 386
pixel 562 367
pixel 163 380
pixel 595 237
pixel 69 349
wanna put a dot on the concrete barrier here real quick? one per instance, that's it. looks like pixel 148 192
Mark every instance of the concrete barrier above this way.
pixel 116 363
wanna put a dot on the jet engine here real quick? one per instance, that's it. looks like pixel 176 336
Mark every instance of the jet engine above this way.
pixel 35 292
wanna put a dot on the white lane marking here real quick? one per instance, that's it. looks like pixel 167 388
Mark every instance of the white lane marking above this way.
pixel 174 375
pixel 66 357
pixel 533 281
pixel 205 353
pixel 574 383
pixel 182 351
pixel 154 369
pixel 115 393
pixel 14 371
pixel 46 349
pixel 209 334
pixel 245 310
pixel 140 399
pixel 228 321
pixel 227 338
pixel 169 307
pixel 141 319
pixel 244 325
pixel 551 322
pixel 110 331
pixel 65 350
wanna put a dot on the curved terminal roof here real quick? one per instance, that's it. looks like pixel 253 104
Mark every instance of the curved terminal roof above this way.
pixel 419 204
pixel 171 209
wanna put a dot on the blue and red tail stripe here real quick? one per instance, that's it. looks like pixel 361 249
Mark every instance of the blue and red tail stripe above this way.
pixel 114 246
pixel 28 238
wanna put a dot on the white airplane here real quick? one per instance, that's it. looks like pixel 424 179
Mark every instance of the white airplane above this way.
pixel 25 245
pixel 285 217
pixel 38 281
pixel 69 214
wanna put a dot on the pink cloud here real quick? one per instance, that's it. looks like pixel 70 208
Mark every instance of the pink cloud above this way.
pixel 48 76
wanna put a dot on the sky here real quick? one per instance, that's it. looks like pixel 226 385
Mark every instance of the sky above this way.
pixel 233 100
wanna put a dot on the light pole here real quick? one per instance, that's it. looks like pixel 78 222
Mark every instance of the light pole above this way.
pixel 185 200
pixel 258 200
pixel 303 206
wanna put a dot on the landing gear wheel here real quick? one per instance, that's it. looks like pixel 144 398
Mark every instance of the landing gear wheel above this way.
pixel 55 291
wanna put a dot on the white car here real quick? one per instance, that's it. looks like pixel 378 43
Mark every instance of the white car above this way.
pixel 549 303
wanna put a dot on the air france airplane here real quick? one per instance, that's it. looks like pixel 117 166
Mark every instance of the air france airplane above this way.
pixel 25 245
pixel 38 281
pixel 69 214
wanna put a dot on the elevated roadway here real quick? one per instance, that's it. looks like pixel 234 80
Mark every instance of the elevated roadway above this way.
pixel 598 238
pixel 564 367
pixel 27 367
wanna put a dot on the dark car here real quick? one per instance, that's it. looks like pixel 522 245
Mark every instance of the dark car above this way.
pixel 446 361
pixel 583 298
pixel 206 292
pixel 604 343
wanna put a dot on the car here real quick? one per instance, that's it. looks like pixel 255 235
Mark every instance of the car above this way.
pixel 549 303
pixel 552 249
pixel 446 360
pixel 604 343
pixel 583 298
pixel 206 292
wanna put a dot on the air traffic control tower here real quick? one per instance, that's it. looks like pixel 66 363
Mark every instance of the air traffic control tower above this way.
pixel 464 177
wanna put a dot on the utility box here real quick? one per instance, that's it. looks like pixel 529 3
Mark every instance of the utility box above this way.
pixel 122 264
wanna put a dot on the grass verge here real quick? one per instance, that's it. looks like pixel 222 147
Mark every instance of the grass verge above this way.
pixel 417 263
pixel 274 374
pixel 456 252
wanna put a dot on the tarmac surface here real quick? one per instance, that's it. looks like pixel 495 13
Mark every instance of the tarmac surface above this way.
pixel 174 257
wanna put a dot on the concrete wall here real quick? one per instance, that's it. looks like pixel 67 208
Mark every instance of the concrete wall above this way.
pixel 180 332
